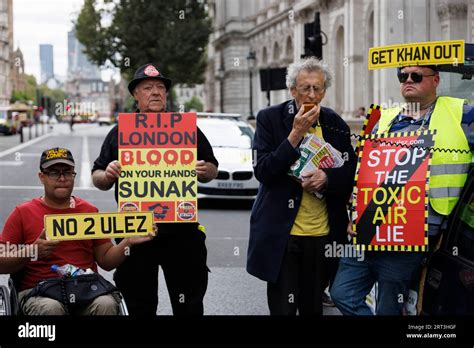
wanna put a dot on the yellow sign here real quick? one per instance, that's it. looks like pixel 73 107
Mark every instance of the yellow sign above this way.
pixel 96 226
pixel 158 154
pixel 420 53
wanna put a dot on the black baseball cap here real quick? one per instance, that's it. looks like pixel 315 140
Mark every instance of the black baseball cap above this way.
pixel 54 156
pixel 148 71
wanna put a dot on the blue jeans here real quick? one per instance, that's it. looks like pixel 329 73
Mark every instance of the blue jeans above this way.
pixel 393 271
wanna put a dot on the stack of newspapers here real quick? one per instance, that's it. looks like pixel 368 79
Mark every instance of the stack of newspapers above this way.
pixel 315 153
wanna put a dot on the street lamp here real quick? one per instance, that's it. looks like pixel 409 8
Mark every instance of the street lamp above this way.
pixel 220 77
pixel 251 58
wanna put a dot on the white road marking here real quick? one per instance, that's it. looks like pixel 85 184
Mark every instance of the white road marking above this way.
pixel 30 154
pixel 11 163
pixel 86 166
pixel 21 146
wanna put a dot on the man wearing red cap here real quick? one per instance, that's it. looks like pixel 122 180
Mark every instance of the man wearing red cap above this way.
pixel 179 249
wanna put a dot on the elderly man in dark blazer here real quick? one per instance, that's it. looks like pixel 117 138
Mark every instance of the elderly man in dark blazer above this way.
pixel 291 221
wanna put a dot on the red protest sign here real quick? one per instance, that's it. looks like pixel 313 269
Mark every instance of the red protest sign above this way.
pixel 161 130
pixel 371 119
pixel 391 188
pixel 158 153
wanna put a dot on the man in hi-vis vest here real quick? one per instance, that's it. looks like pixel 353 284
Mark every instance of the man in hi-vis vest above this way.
pixel 393 271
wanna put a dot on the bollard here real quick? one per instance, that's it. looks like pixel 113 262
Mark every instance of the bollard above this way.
pixel 29 127
pixel 21 133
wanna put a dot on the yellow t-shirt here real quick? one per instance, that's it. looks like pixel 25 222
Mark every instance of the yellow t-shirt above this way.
pixel 312 217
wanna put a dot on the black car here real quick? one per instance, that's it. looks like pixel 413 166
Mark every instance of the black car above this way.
pixel 449 283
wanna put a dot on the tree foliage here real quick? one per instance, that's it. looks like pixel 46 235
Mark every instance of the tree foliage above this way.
pixel 130 33
pixel 194 104
pixel 29 93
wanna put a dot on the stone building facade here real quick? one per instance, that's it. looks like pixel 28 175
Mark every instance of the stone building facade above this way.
pixel 6 50
pixel 17 71
pixel 84 84
pixel 274 30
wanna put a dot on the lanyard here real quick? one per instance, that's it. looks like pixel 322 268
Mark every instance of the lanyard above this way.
pixel 425 119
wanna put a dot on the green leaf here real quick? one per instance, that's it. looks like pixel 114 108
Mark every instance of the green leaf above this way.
pixel 148 31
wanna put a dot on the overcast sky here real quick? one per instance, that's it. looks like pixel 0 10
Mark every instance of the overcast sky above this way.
pixel 38 22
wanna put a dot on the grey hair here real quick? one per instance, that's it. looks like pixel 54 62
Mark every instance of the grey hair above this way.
pixel 308 64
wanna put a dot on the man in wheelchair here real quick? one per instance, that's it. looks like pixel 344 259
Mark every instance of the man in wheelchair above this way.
pixel 28 256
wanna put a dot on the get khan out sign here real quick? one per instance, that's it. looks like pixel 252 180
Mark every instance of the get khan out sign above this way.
pixel 158 157
pixel 391 200
pixel 420 53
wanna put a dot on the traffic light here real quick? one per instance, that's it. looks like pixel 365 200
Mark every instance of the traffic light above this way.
pixel 313 40
pixel 45 103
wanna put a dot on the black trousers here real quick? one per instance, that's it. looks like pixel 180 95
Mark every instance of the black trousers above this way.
pixel 302 278
pixel 182 257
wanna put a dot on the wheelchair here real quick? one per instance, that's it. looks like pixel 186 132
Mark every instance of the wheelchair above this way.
pixel 9 299
pixel 9 304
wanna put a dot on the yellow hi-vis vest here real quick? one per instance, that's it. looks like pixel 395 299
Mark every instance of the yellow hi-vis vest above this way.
pixel 448 171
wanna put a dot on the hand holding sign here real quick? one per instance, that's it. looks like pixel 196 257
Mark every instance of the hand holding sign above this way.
pixel 140 240
pixel 350 231
pixel 206 171
pixel 45 247
pixel 143 239
pixel 112 172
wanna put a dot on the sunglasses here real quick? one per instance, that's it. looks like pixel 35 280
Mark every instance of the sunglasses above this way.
pixel 416 77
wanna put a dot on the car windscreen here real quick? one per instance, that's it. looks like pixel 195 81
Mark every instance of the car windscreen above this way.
pixel 452 85
pixel 225 133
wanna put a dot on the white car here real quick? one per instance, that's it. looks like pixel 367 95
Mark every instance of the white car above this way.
pixel 107 120
pixel 231 140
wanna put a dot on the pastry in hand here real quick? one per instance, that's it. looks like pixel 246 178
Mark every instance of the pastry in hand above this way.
pixel 307 107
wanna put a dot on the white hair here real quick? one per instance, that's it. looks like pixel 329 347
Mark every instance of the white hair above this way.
pixel 308 64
